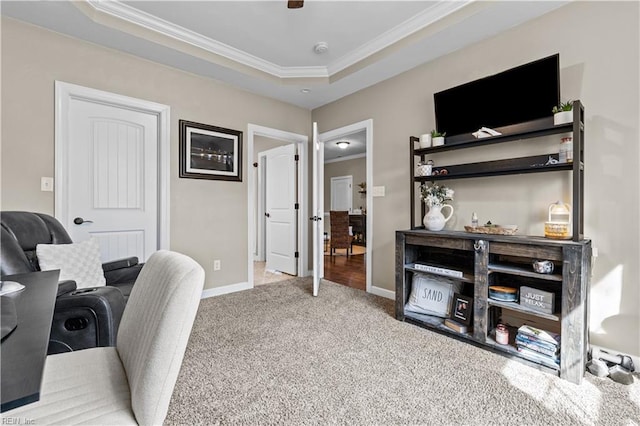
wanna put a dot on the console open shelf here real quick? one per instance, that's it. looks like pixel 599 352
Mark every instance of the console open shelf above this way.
pixel 511 166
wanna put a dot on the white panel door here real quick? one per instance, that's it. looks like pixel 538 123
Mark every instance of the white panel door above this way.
pixel 341 193
pixel 280 212
pixel 113 178
pixel 317 210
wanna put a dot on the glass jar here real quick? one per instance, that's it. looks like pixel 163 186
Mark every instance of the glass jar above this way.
pixel 502 334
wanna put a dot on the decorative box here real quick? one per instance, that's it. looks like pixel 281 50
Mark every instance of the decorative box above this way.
pixel 537 300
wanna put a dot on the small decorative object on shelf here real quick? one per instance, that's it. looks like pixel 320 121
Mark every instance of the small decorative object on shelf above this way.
pixel 438 270
pixel 566 150
pixel 424 168
pixel 538 300
pixel 434 197
pixel 474 220
pixel 489 228
pixel 563 113
pixel 425 140
pixel 502 334
pixel 543 266
pixel 503 294
pixel 462 309
pixel 456 326
pixel 559 220
pixel 437 137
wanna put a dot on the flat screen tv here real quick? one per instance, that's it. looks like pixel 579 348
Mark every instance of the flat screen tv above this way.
pixel 525 93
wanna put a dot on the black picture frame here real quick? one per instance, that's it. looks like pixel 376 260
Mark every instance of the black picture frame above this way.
pixel 461 309
pixel 210 152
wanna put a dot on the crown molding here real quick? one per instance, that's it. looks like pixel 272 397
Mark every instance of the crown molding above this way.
pixel 119 10
pixel 142 19
pixel 399 32
pixel 348 157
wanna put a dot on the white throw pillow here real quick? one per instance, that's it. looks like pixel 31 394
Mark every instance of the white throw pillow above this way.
pixel 432 294
pixel 78 261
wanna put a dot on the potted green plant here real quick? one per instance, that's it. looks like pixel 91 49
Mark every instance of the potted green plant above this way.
pixel 437 138
pixel 563 113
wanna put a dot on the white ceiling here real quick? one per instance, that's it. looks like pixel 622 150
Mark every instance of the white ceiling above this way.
pixel 357 147
pixel 265 48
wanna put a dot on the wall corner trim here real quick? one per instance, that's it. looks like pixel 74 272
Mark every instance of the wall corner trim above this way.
pixel 382 292
pixel 225 289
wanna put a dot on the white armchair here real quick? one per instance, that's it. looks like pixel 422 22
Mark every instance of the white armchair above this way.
pixel 130 383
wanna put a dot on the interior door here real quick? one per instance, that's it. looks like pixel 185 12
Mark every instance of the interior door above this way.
pixel 280 212
pixel 341 193
pixel 112 161
pixel 318 210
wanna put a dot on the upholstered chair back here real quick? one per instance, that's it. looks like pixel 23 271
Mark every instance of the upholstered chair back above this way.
pixel 21 233
pixel 155 329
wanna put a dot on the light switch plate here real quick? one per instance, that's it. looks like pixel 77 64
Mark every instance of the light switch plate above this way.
pixel 46 184
pixel 378 191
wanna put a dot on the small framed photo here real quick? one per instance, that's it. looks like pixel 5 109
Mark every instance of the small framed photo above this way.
pixel 210 152
pixel 462 309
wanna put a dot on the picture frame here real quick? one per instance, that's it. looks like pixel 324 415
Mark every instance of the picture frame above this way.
pixel 462 309
pixel 210 152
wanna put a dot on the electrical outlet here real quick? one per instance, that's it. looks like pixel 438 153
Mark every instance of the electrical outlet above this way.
pixel 46 184
pixel 216 265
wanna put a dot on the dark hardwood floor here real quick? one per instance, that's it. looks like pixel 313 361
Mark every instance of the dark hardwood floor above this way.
pixel 349 271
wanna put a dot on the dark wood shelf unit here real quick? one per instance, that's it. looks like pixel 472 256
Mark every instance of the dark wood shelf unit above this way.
pixel 484 253
pixel 523 165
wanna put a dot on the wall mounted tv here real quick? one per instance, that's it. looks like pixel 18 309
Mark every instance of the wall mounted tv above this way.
pixel 525 93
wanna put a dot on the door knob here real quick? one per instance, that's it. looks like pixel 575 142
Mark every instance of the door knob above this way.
pixel 267 215
pixel 80 221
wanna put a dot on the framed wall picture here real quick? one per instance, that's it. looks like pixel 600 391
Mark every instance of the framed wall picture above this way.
pixel 462 309
pixel 210 152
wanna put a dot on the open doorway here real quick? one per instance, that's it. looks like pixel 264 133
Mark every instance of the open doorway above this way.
pixel 277 160
pixel 347 170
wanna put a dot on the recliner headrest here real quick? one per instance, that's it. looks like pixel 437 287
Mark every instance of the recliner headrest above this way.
pixel 31 229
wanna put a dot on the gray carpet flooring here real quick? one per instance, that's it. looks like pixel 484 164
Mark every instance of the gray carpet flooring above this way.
pixel 277 355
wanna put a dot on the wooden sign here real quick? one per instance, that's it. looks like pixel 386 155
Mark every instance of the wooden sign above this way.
pixel 537 300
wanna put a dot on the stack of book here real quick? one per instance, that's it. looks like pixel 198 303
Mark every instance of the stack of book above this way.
pixel 539 345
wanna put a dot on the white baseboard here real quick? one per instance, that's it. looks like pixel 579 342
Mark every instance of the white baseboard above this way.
pixel 383 292
pixel 226 289
pixel 635 359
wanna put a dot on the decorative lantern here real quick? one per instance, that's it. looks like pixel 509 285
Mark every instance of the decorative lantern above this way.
pixel 559 222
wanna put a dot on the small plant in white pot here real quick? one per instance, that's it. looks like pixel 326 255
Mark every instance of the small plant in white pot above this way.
pixel 563 113
pixel 437 138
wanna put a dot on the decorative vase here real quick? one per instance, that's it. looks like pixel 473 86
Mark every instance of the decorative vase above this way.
pixel 438 141
pixel 434 220
pixel 425 140
pixel 562 117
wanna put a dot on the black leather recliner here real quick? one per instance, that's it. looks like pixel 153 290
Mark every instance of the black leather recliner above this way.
pixel 83 318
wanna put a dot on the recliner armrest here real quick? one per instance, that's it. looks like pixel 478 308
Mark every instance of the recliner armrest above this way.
pixel 119 264
pixel 66 286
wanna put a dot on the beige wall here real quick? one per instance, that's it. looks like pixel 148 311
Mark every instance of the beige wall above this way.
pixel 598 44
pixel 208 218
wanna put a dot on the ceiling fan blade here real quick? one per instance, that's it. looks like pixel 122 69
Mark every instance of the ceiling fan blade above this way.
pixel 295 4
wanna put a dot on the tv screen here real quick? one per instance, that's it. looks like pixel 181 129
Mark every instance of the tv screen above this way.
pixel 521 94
